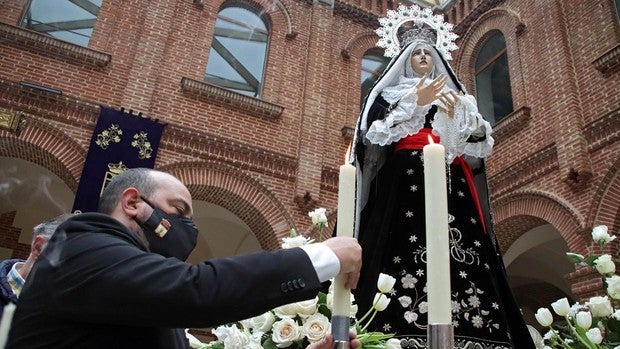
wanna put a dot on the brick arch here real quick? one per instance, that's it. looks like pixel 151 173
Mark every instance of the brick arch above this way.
pixel 546 207
pixel 277 13
pixel 509 24
pixel 241 194
pixel 48 147
pixel 352 54
pixel 360 43
pixel 606 209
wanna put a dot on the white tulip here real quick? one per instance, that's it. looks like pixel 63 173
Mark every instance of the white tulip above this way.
pixel 380 302
pixel 605 265
pixel 561 306
pixel 613 286
pixel 594 335
pixel 544 317
pixel 385 283
pixel 584 319
pixel 600 235
pixel 600 306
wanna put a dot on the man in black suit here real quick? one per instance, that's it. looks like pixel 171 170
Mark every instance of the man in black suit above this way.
pixel 117 279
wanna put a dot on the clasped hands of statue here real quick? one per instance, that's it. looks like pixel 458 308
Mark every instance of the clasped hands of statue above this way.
pixel 427 94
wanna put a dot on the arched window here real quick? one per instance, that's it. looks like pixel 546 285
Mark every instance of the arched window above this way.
pixel 239 49
pixel 373 65
pixel 68 20
pixel 493 79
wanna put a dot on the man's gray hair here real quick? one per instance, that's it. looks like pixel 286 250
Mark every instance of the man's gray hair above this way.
pixel 48 227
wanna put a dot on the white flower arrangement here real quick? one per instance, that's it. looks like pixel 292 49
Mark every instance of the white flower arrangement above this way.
pixel 297 325
pixel 594 324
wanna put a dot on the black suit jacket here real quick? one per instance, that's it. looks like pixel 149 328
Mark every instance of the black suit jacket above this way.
pixel 97 286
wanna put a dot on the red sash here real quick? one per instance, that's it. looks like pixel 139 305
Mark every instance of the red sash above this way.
pixel 420 139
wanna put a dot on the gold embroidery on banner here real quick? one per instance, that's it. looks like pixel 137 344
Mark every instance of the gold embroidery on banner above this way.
pixel 142 143
pixel 11 120
pixel 113 171
pixel 112 134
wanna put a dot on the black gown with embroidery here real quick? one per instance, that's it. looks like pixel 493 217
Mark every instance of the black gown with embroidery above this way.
pixel 392 236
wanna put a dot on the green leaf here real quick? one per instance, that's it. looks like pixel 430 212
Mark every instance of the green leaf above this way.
pixel 575 257
pixel 590 260
pixel 269 344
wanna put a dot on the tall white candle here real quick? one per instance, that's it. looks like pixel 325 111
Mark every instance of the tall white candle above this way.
pixel 437 243
pixel 346 212
pixel 5 323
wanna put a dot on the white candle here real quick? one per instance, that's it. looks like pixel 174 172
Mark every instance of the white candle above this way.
pixel 437 243
pixel 346 212
pixel 5 323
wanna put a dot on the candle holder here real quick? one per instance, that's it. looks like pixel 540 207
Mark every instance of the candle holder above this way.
pixel 440 336
pixel 340 331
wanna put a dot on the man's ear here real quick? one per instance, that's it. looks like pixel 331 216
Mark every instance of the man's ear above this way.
pixel 131 202
pixel 37 245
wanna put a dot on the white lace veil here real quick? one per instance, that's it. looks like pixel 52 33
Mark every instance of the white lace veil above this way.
pixel 396 80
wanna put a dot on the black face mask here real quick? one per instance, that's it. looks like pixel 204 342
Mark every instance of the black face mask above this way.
pixel 169 235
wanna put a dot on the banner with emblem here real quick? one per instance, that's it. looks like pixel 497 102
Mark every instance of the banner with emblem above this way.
pixel 120 141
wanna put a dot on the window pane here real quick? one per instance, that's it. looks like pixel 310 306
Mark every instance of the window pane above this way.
pixel 72 21
pixel 373 65
pixel 493 91
pixel 239 50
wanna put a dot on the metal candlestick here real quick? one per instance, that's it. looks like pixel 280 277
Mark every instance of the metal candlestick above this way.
pixel 440 336
pixel 340 331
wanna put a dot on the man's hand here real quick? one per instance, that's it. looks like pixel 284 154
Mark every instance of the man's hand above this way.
pixel 328 342
pixel 349 253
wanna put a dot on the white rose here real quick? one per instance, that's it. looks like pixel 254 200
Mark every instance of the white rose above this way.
pixel 318 216
pixel 296 241
pixel 584 319
pixel 594 335
pixel 380 302
pixel 255 341
pixel 392 343
pixel 600 235
pixel 303 309
pixel 385 283
pixel 616 315
pixel 232 337
pixel 600 306
pixel 316 327
pixel 544 317
pixel 285 332
pixel 605 265
pixel 260 323
pixel 222 332
pixel 613 286
pixel 561 307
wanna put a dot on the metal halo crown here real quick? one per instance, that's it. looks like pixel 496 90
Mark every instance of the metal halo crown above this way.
pixel 388 32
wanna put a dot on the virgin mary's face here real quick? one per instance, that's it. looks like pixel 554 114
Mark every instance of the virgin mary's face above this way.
pixel 421 60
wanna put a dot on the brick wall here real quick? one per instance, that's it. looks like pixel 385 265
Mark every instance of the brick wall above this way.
pixel 555 161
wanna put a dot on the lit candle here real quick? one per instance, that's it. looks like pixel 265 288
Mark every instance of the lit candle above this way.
pixel 437 244
pixel 346 212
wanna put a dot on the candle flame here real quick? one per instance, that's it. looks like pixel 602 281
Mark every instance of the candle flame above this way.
pixel 430 140
pixel 348 153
